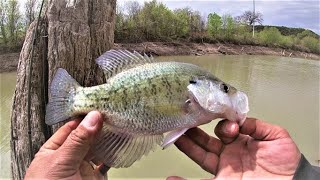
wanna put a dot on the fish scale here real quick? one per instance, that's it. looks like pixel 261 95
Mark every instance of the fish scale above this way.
pixel 141 100
pixel 154 84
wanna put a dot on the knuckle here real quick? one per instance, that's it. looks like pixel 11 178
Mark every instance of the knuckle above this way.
pixel 284 131
pixel 79 136
pixel 207 163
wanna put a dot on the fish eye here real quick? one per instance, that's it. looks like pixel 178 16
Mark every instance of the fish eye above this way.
pixel 225 88
pixel 192 82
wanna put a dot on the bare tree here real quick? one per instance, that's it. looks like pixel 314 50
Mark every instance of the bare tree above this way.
pixel 3 19
pixel 248 17
pixel 133 8
pixel 30 11
pixel 14 18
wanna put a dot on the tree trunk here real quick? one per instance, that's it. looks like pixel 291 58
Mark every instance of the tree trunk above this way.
pixel 71 36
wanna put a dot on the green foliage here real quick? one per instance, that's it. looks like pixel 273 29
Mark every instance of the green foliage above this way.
pixel 3 22
pixel 214 24
pixel 311 43
pixel 270 36
pixel 153 21
pixel 228 26
pixel 181 22
pixel 286 41
pixel 286 31
pixel 306 33
pixel 243 35
pixel 11 27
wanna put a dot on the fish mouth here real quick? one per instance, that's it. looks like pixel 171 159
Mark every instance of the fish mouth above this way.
pixel 220 105
pixel 240 105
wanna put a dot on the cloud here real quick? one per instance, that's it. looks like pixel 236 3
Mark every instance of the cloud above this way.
pixel 293 13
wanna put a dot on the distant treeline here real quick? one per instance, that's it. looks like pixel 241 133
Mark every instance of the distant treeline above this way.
pixel 288 31
pixel 14 23
pixel 154 21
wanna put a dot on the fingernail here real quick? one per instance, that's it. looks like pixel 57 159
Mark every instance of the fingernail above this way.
pixel 90 120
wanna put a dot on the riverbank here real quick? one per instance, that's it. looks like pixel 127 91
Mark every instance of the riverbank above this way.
pixel 9 62
pixel 198 49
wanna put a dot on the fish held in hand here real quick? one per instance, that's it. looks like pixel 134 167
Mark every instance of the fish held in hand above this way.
pixel 141 101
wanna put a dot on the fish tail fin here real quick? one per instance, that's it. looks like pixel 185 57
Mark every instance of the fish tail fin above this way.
pixel 62 91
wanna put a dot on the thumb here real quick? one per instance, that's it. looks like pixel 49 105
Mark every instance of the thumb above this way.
pixel 227 131
pixel 261 130
pixel 78 143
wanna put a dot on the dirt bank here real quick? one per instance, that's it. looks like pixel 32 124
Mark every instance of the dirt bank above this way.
pixel 167 49
pixel 9 62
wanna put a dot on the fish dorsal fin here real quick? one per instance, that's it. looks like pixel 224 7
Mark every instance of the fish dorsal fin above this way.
pixel 116 149
pixel 114 61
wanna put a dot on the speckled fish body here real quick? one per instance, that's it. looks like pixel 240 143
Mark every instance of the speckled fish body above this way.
pixel 144 100
pixel 141 100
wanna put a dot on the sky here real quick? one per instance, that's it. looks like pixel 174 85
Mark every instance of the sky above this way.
pixel 290 13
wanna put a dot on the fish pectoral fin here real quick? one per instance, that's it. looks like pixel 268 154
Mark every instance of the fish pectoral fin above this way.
pixel 114 61
pixel 172 137
pixel 117 149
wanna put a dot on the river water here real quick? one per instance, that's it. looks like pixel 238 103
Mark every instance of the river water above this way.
pixel 283 91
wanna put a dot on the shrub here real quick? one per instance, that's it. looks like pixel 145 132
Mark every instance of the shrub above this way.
pixel 311 43
pixel 270 36
pixel 286 41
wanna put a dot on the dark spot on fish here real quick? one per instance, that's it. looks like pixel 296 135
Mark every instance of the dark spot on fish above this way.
pixel 105 99
pixel 166 83
pixel 153 89
pixel 192 81
pixel 177 80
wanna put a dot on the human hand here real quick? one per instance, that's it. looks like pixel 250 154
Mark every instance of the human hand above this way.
pixel 62 156
pixel 261 150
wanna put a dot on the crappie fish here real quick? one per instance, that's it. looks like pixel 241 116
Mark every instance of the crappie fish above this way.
pixel 141 101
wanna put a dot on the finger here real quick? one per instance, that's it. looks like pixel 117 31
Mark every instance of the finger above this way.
pixel 227 131
pixel 261 130
pixel 98 175
pixel 57 139
pixel 103 169
pixel 78 143
pixel 175 178
pixel 88 171
pixel 206 160
pixel 205 141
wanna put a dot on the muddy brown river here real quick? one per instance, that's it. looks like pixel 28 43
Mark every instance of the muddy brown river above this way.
pixel 282 91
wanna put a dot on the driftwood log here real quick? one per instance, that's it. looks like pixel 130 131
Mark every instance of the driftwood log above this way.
pixel 70 35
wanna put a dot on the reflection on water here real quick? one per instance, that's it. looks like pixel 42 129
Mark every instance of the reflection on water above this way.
pixel 283 91
pixel 7 85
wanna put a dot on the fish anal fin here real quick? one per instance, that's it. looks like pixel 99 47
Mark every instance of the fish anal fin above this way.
pixel 115 61
pixel 117 149
pixel 172 137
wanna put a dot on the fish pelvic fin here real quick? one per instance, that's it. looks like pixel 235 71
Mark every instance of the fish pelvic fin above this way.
pixel 172 137
pixel 62 91
pixel 121 150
